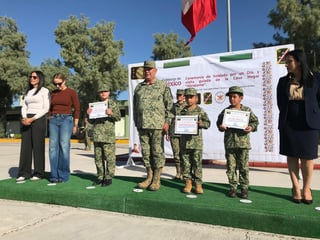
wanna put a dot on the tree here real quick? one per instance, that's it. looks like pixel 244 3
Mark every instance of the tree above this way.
pixel 262 45
pixel 167 46
pixel 14 65
pixel 92 55
pixel 299 20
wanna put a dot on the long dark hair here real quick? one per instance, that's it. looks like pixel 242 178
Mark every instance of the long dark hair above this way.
pixel 41 81
pixel 306 75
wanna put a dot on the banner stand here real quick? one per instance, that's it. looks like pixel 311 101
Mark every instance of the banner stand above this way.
pixel 129 162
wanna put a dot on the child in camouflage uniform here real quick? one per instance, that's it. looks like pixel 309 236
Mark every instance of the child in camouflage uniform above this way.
pixel 237 144
pixel 175 138
pixel 104 138
pixel 192 145
pixel 87 134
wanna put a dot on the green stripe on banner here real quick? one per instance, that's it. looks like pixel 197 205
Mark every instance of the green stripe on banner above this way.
pixel 236 57
pixel 176 64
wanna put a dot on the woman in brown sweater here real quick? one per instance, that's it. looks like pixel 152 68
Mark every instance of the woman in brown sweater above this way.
pixel 64 117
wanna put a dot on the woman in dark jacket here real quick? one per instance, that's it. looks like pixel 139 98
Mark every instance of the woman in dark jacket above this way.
pixel 298 95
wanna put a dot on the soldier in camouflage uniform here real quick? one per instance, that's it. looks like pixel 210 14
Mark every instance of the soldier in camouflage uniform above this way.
pixel 237 144
pixel 192 145
pixel 152 103
pixel 87 134
pixel 175 138
pixel 104 139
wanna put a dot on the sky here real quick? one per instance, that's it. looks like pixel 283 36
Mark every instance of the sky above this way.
pixel 135 23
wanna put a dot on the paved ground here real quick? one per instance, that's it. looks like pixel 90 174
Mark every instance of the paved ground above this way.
pixel 25 220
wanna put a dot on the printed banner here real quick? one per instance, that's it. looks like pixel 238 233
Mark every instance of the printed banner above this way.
pixel 256 70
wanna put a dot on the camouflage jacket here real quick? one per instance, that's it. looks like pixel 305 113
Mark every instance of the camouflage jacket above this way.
pixel 152 105
pixel 195 141
pixel 176 110
pixel 237 138
pixel 104 128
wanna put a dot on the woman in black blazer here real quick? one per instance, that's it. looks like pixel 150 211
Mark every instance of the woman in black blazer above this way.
pixel 298 98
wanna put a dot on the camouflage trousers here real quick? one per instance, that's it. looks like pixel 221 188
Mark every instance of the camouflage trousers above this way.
pixel 175 145
pixel 192 164
pixel 238 159
pixel 105 159
pixel 151 141
pixel 87 141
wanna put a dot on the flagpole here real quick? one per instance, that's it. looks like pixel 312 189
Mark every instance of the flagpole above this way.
pixel 229 27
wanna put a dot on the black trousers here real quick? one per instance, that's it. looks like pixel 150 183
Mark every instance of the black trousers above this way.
pixel 33 144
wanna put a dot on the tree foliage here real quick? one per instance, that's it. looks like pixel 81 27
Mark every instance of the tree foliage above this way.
pixel 14 65
pixel 92 54
pixel 168 46
pixel 299 20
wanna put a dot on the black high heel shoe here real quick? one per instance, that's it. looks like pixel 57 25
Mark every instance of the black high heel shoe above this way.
pixel 295 200
pixel 306 201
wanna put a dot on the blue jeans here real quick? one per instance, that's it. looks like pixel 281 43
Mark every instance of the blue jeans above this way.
pixel 60 127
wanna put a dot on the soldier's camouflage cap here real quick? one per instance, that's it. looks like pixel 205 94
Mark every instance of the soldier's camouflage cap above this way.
pixel 149 64
pixel 235 89
pixel 104 87
pixel 190 92
pixel 180 91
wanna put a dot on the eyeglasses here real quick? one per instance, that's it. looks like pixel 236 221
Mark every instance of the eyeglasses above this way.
pixel 33 77
pixel 58 84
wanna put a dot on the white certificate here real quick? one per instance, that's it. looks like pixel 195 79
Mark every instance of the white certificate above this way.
pixel 236 119
pixel 98 110
pixel 186 124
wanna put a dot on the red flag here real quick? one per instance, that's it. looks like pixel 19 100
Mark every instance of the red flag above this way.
pixel 197 14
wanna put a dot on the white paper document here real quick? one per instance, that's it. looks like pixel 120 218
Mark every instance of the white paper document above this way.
pixel 98 110
pixel 186 124
pixel 236 119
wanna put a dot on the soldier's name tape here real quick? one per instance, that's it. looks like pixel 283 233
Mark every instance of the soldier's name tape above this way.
pixel 245 201
pixel 138 190
pixel 191 196
pixel 20 182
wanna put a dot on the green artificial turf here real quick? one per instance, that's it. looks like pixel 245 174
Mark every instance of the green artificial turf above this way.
pixel 271 209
